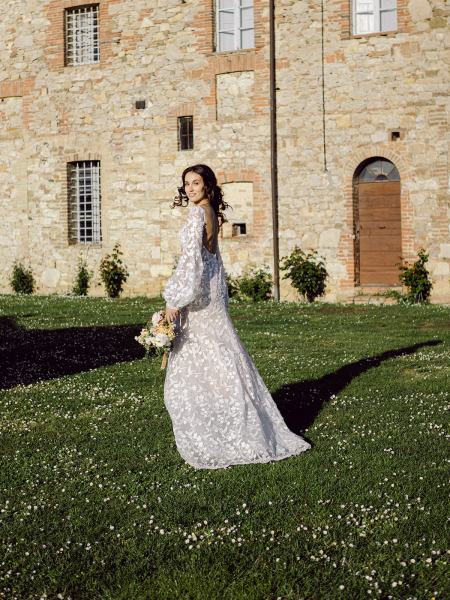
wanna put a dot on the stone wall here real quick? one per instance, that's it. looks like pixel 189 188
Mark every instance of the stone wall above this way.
pixel 373 85
pixel 163 52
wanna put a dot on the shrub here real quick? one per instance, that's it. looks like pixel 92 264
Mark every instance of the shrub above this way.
pixel 415 278
pixel 307 273
pixel 113 272
pixel 82 279
pixel 233 286
pixel 254 284
pixel 22 279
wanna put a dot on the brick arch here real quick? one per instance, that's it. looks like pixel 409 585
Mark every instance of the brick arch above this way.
pixel 346 248
pixel 356 158
pixel 80 155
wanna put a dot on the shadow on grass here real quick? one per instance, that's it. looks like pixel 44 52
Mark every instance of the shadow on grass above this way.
pixel 301 402
pixel 30 355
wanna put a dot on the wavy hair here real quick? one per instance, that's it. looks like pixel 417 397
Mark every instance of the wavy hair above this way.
pixel 213 191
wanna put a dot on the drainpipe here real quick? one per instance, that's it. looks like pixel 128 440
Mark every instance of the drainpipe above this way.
pixel 273 154
pixel 322 19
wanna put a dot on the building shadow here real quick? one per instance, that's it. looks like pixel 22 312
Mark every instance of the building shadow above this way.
pixel 300 402
pixel 31 355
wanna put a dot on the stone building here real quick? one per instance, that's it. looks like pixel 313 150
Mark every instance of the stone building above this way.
pixel 103 104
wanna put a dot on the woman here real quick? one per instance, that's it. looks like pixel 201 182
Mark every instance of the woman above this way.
pixel 222 413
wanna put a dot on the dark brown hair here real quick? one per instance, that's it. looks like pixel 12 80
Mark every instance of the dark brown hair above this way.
pixel 213 191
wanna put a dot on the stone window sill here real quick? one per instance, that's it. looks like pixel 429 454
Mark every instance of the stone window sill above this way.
pixel 231 52
pixel 86 244
pixel 357 36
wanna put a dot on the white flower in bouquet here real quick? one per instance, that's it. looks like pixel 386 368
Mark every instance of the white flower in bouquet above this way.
pixel 157 342
pixel 158 333
pixel 162 339
pixel 156 317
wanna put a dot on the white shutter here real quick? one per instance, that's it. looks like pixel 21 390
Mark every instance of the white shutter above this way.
pixel 234 24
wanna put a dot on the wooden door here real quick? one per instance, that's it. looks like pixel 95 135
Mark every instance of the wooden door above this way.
pixel 379 232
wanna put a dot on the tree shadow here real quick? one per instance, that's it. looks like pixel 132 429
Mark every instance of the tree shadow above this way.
pixel 301 402
pixel 31 355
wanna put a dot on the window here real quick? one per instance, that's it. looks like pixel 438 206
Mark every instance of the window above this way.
pixel 82 35
pixel 379 169
pixel 185 133
pixel 238 229
pixel 373 16
pixel 234 25
pixel 84 201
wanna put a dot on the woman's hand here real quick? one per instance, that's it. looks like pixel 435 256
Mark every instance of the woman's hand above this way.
pixel 171 314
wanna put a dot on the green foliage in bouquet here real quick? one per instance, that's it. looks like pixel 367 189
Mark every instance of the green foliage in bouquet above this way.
pixel 22 279
pixel 416 279
pixel 113 272
pixel 82 279
pixel 254 284
pixel 307 273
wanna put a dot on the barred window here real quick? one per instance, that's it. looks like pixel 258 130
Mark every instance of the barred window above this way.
pixel 84 201
pixel 373 16
pixel 234 25
pixel 82 35
pixel 185 133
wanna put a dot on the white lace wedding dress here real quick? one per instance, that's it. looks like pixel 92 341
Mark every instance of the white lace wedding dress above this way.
pixel 222 413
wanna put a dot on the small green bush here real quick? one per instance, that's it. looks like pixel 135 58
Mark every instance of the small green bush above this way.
pixel 82 279
pixel 254 284
pixel 22 279
pixel 306 272
pixel 113 272
pixel 233 286
pixel 415 278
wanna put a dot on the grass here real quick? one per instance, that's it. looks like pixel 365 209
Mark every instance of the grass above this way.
pixel 96 502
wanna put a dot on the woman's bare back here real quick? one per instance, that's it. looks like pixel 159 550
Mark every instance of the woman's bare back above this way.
pixel 211 229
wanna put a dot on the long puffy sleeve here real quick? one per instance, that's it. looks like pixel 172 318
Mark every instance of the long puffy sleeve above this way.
pixel 184 285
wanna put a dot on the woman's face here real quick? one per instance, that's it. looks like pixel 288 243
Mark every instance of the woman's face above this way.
pixel 194 186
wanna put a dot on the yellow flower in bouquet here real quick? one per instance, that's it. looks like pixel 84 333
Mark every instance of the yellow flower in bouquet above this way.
pixel 158 334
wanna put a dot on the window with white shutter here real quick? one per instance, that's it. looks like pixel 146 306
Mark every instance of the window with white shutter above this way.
pixel 374 16
pixel 234 25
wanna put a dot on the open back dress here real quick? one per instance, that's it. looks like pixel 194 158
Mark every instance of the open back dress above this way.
pixel 222 412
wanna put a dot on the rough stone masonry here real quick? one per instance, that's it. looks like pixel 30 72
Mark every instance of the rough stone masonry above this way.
pixel 342 99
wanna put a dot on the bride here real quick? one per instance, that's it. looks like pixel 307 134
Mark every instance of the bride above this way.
pixel 222 413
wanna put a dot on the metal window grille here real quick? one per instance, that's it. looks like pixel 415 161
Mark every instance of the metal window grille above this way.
pixel 185 133
pixel 84 201
pixel 374 16
pixel 234 25
pixel 82 35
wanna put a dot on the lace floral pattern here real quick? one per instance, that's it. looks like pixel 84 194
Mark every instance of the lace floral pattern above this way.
pixel 222 412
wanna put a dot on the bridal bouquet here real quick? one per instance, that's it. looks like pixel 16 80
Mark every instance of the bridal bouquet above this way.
pixel 158 333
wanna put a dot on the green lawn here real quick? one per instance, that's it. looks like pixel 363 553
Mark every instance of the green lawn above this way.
pixel 97 503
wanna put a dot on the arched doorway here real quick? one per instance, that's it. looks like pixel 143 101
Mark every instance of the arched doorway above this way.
pixel 377 223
